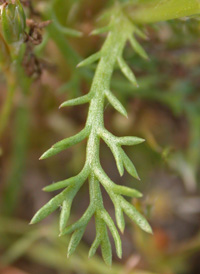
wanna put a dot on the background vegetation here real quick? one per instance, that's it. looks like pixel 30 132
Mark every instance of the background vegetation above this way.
pixel 165 111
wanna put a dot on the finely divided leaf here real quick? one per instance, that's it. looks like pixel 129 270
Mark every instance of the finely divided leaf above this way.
pixel 63 29
pixel 50 207
pixel 71 141
pixel 116 153
pixel 130 141
pixel 78 179
pixel 138 48
pixel 106 249
pixel 109 222
pixel 94 246
pixel 127 191
pixel 51 152
pixel 140 33
pixel 66 143
pixel 129 165
pixel 75 240
pixel 65 213
pixel 119 217
pixel 90 60
pixel 101 30
pixel 127 71
pixel 83 221
pixel 116 103
pixel 77 101
pixel 134 215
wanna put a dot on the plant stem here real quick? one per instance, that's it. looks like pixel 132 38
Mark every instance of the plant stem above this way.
pixel 149 11
pixel 14 180
pixel 5 112
pixel 71 56
pixel 111 50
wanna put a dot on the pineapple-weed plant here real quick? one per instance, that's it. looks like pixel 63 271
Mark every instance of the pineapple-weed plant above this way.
pixel 122 22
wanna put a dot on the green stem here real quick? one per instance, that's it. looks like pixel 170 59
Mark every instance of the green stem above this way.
pixel 5 112
pixel 71 56
pixel 111 50
pixel 14 180
pixel 149 11
pixel 95 192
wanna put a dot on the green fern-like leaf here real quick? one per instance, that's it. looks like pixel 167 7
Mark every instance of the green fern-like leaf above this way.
pixel 120 30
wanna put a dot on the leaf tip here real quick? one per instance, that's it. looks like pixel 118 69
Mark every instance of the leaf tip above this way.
pixel 90 254
pixel 121 173
pixel 46 188
pixel 119 255
pixel 140 195
pixel 126 115
pixel 79 65
pixel 92 33
pixel 80 34
pixel 142 140
pixel 136 84
pixel 149 230
pixel 62 105
pixel 70 251
pixel 138 178
pixel 33 221
pixel 44 156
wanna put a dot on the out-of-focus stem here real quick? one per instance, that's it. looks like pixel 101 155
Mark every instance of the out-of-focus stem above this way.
pixel 149 11
pixel 21 129
pixel 7 106
pixel 18 161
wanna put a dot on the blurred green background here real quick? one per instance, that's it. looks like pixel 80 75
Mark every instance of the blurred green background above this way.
pixel 165 110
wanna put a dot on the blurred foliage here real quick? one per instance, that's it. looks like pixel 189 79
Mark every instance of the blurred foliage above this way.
pixel 165 110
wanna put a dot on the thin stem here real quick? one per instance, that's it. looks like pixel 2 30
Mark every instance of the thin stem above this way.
pixel 95 192
pixel 14 179
pixel 156 10
pixel 71 56
pixel 112 49
pixel 5 112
